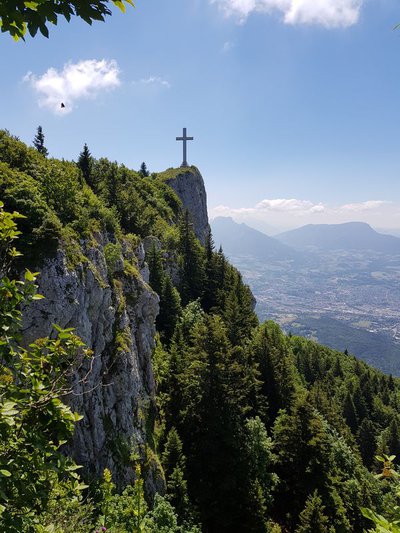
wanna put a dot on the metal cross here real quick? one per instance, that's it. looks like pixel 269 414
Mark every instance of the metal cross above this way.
pixel 184 138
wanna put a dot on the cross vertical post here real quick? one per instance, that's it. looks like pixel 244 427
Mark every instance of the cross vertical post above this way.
pixel 184 138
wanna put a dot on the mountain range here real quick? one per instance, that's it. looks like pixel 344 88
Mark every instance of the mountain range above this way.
pixel 348 236
pixel 336 283
pixel 241 239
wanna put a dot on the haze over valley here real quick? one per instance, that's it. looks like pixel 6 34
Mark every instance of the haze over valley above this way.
pixel 338 284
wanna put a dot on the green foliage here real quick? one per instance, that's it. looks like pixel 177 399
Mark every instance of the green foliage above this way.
pixel 261 461
pixel 113 254
pixel 123 512
pixel 312 518
pixel 170 309
pixel 191 262
pixel 163 519
pixel 143 170
pixel 145 207
pixel 155 264
pixel 273 353
pixel 34 422
pixel 174 464
pixel 389 475
pixel 85 164
pixel 38 142
pixel 51 197
pixel 254 429
pixel 19 16
pixel 172 173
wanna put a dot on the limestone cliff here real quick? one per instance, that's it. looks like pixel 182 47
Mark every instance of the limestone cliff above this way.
pixel 188 184
pixel 113 310
pixel 100 288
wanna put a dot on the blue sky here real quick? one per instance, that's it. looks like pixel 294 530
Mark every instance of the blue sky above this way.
pixel 294 104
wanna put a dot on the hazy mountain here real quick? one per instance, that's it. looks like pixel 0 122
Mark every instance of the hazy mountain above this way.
pixel 349 236
pixel 240 239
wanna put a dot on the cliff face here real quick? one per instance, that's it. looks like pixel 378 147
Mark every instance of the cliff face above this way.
pixel 101 289
pixel 188 184
pixel 113 310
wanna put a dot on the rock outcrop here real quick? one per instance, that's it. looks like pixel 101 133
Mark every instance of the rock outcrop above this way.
pixel 188 184
pixel 101 289
pixel 113 310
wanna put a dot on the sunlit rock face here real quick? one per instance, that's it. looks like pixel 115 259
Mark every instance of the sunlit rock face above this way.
pixel 188 184
pixel 114 313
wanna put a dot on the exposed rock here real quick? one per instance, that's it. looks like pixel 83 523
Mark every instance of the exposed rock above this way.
pixel 113 310
pixel 116 319
pixel 189 186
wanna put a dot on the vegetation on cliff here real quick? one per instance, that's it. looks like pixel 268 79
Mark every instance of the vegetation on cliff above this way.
pixel 255 431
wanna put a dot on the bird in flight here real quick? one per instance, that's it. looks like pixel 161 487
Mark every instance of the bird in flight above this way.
pixel 62 105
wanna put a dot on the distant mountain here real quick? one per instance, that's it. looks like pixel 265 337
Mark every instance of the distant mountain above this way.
pixel 349 236
pixel 240 239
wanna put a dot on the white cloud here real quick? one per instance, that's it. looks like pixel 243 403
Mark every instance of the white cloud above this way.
pixel 291 212
pixel 365 206
pixel 284 204
pixel 153 80
pixel 76 81
pixel 328 13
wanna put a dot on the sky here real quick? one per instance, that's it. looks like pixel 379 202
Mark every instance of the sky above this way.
pixel 294 105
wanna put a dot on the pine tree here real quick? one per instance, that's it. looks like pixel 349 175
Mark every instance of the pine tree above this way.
pixel 367 441
pixel 238 311
pixel 211 281
pixel 191 262
pixel 170 309
pixel 301 446
pixel 360 403
pixel 38 142
pixel 260 459
pixel 338 371
pixel 350 413
pixel 143 170
pixel 214 406
pixel 312 518
pixel 174 464
pixel 85 164
pixel 157 276
pixel 277 371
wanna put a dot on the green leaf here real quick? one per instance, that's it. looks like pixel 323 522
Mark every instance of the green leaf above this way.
pixel 5 473
pixel 120 4
pixel 38 297
pixel 31 5
pixel 29 276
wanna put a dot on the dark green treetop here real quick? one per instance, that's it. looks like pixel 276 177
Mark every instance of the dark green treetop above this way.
pixel 85 164
pixel 143 170
pixel 38 142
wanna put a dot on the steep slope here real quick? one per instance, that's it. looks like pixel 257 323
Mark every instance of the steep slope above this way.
pixel 94 279
pixel 240 239
pixel 189 186
pixel 113 310
pixel 348 236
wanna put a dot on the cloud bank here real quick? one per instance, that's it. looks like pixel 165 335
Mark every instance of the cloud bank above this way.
pixel 327 13
pixel 76 81
pixel 291 212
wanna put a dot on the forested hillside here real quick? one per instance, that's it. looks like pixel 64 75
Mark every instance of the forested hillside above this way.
pixel 238 427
